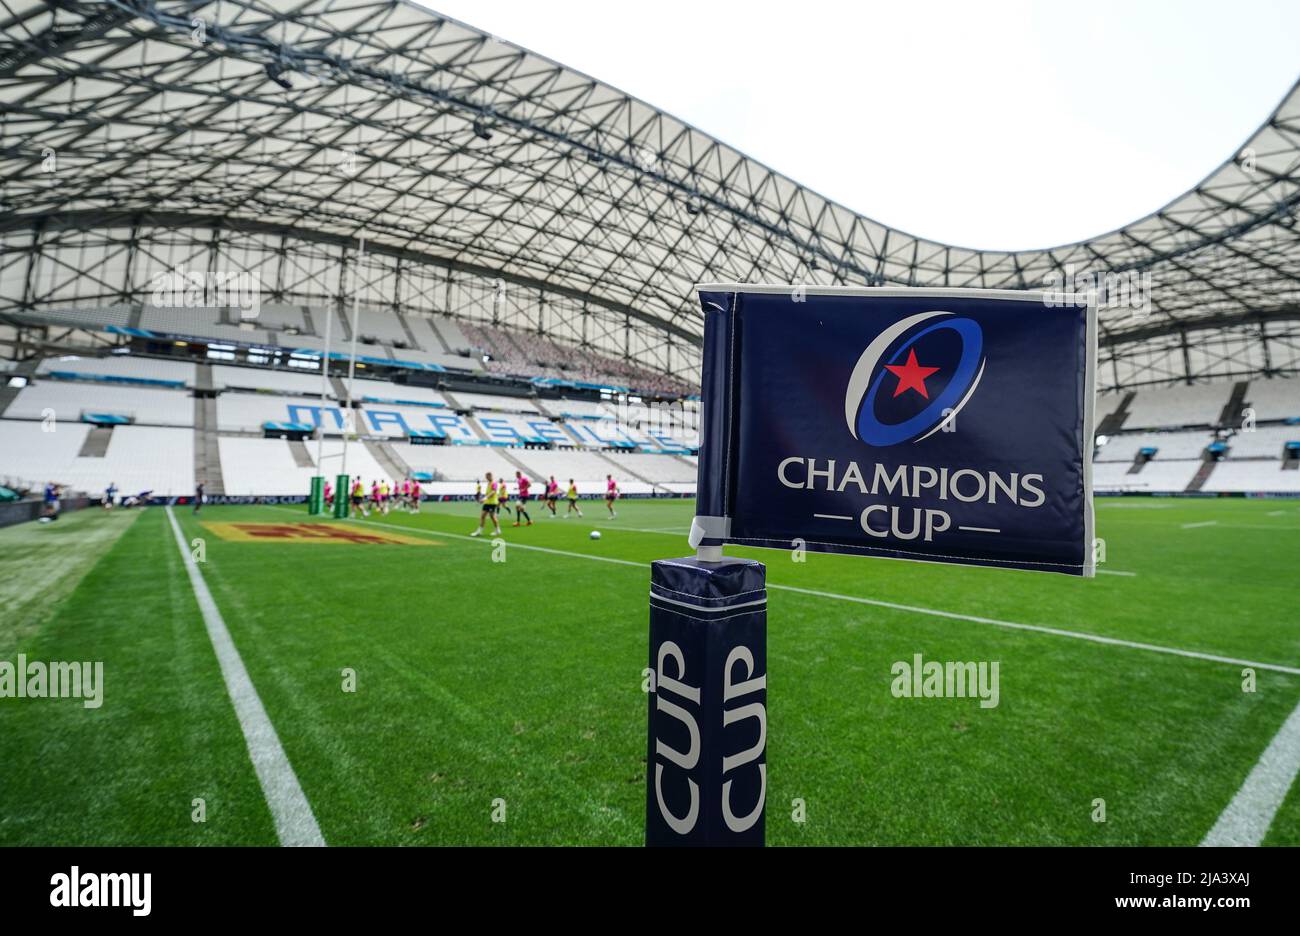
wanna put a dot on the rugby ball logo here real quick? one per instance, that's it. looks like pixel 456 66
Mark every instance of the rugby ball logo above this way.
pixel 914 378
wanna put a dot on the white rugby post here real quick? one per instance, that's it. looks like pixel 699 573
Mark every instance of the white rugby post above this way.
pixel 316 503
pixel 352 360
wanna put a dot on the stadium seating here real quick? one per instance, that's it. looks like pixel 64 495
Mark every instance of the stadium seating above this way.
pixel 509 404
pixel 1263 441
pixel 455 462
pixel 137 458
pixel 1107 476
pixel 517 353
pixel 383 391
pixel 279 316
pixel 583 409
pixel 381 325
pixel 248 397
pixel 435 340
pixel 69 399
pixel 1263 475
pixel 35 456
pixel 1274 399
pixel 398 421
pixel 1172 475
pixel 1106 404
pixel 250 378
pixel 1170 445
pixel 1182 405
pixel 248 412
pixel 658 468
pixel 124 366
pixel 201 323
pixel 514 429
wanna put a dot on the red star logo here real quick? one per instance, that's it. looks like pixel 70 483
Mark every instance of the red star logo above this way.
pixel 911 376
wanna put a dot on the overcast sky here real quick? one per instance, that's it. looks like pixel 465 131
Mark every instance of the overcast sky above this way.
pixel 982 124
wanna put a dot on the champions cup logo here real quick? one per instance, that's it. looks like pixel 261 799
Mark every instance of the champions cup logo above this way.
pixel 914 379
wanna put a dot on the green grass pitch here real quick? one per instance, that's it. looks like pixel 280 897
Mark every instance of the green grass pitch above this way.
pixel 521 681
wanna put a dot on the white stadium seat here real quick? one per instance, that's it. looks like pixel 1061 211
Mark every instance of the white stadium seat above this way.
pixel 485 401
pixel 252 466
pixel 1241 476
pixel 1168 445
pixel 1198 404
pixel 138 458
pixel 258 378
pixel 69 399
pixel 1278 398
pixel 121 365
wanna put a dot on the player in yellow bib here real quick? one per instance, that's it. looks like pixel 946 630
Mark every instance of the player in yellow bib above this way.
pixel 490 501
pixel 572 497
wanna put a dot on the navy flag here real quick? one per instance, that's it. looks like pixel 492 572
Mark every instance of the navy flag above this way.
pixel 941 425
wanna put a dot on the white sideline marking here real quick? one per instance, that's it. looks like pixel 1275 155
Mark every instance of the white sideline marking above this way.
pixel 1245 820
pixel 294 822
pixel 1203 523
pixel 1116 572
pixel 1036 628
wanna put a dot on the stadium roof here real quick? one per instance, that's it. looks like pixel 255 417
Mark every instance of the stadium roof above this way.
pixel 324 120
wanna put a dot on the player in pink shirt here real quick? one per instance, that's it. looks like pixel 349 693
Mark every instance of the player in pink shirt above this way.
pixel 552 495
pixel 521 512
pixel 611 494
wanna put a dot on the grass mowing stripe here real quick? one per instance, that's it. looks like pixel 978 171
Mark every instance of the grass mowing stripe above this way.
pixel 294 822
pixel 932 612
pixel 41 564
pixel 1246 819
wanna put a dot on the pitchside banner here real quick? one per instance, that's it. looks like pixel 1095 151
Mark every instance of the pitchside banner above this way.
pixel 942 425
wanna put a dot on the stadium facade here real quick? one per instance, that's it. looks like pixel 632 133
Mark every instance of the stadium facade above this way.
pixel 500 217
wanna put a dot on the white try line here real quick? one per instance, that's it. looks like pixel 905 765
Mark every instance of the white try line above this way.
pixel 912 609
pixel 294 822
pixel 1203 523
pixel 1246 819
